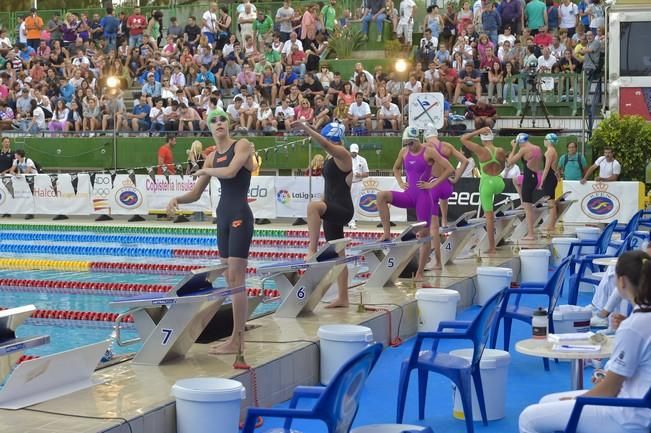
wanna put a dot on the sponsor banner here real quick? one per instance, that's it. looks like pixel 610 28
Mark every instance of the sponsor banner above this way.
pixel 102 187
pixel 293 195
pixel 62 198
pixel 365 199
pixel 126 198
pixel 602 202
pixel 22 201
pixel 160 191
pixel 466 197
pixel 261 196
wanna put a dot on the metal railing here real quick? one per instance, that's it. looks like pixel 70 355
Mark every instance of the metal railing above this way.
pixel 558 90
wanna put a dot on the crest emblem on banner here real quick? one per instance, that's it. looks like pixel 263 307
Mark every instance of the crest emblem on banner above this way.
pixel 128 197
pixel 368 198
pixel 600 204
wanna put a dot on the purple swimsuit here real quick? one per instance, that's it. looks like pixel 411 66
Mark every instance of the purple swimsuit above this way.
pixel 417 169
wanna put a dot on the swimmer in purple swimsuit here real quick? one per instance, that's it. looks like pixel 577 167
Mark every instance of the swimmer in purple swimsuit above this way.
pixel 444 190
pixel 417 161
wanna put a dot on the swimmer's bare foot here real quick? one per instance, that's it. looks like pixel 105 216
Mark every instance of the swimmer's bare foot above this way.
pixel 338 303
pixel 310 255
pixel 228 347
pixel 529 238
pixel 385 238
pixel 491 251
pixel 419 278
pixel 437 267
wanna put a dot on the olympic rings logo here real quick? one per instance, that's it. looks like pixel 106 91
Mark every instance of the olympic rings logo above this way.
pixel 102 192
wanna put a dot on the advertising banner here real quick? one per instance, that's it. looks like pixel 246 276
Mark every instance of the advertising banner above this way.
pixel 16 195
pixel 365 199
pixel 127 198
pixel 466 197
pixel 62 194
pixel 161 190
pixel 603 202
pixel 293 195
pixel 261 196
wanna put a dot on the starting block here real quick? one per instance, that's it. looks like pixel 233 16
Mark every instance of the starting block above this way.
pixel 44 378
pixel 302 284
pixel 386 260
pixel 562 206
pixel 540 212
pixel 169 324
pixel 506 220
pixel 459 236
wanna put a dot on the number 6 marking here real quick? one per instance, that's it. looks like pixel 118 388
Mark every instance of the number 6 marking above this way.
pixel 300 294
pixel 167 333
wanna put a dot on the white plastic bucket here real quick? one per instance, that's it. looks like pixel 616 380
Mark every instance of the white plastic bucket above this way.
pixel 588 234
pixel 534 265
pixel 435 306
pixel 571 318
pixel 491 280
pixel 208 404
pixel 494 366
pixel 391 428
pixel 560 249
pixel 339 343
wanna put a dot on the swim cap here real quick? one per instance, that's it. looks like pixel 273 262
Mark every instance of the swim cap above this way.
pixel 410 133
pixel 487 137
pixel 216 113
pixel 430 131
pixel 552 138
pixel 333 131
pixel 522 138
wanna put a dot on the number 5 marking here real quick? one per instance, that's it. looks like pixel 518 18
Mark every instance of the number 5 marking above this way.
pixel 167 333
pixel 391 262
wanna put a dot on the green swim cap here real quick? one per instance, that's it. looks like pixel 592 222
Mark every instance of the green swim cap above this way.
pixel 218 112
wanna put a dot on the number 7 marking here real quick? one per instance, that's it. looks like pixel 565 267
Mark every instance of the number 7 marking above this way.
pixel 167 333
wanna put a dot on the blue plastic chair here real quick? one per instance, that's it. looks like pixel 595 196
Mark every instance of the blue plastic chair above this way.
pixel 572 424
pixel 631 226
pixel 336 404
pixel 552 289
pixel 586 263
pixel 457 369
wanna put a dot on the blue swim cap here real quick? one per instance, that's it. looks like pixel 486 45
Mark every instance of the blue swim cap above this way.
pixel 334 131
pixel 522 138
pixel 552 138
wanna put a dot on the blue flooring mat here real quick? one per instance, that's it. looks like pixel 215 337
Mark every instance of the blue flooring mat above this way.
pixel 527 383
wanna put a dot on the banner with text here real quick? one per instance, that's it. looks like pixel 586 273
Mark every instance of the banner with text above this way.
pixel 163 189
pixel 261 196
pixel 63 194
pixel 293 195
pixel 603 202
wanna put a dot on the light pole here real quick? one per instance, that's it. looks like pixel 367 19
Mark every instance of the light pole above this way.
pixel 113 83
pixel 400 67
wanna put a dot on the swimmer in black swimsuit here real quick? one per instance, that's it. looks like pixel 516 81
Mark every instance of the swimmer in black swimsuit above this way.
pixel 550 178
pixel 231 162
pixel 531 177
pixel 336 209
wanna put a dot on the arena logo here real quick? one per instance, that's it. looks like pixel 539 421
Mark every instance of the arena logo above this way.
pixel 283 196
pixel 600 204
pixel 368 198
pixel 128 198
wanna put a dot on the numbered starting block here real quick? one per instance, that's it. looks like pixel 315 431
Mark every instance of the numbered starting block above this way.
pixel 540 212
pixel 506 220
pixel 459 236
pixel 562 206
pixel 302 284
pixel 386 260
pixel 169 324
pixel 42 378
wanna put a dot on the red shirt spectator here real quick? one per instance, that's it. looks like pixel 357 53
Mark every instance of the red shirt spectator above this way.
pixel 136 23
pixel 543 38
pixel 166 157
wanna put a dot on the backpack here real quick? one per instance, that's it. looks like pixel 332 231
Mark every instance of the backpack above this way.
pixel 578 159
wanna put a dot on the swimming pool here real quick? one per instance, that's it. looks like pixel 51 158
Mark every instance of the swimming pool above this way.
pixel 72 272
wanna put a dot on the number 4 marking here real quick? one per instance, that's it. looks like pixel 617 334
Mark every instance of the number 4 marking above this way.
pixel 448 246
pixel 167 333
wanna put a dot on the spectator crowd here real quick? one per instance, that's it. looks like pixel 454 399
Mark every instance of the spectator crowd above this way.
pixel 267 68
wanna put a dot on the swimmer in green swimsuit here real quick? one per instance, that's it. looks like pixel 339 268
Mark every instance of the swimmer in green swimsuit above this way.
pixel 491 164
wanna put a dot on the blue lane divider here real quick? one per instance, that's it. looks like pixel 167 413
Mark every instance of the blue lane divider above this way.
pixel 76 250
pixel 103 238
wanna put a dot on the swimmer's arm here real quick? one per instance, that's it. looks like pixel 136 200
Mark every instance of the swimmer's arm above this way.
pixel 199 186
pixel 338 152
pixel 397 167
pixel 438 159
pixel 548 166
pixel 463 162
pixel 470 145
pixel 514 157
pixel 243 152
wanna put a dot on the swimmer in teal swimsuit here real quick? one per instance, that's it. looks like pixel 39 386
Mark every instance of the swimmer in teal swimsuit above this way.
pixel 491 164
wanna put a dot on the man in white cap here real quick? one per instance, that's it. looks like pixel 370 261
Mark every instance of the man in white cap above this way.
pixel 360 171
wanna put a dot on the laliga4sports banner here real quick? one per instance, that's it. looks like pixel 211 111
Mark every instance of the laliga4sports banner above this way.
pixel 65 194
pixel 293 195
pixel 260 198
pixel 161 190
pixel 603 202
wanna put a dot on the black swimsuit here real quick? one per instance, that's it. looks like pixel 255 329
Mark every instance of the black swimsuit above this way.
pixel 234 216
pixel 336 195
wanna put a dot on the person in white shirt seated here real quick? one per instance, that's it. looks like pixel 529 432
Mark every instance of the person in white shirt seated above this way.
pixel 388 115
pixel 627 373
pixel 284 114
pixel 359 114
pixel 609 168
